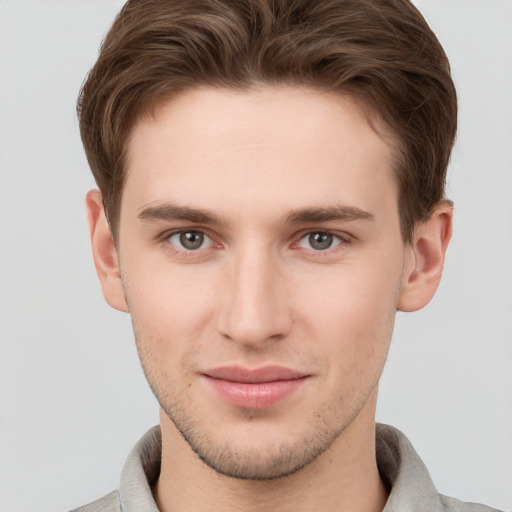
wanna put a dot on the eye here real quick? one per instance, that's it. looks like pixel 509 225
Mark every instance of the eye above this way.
pixel 190 240
pixel 319 241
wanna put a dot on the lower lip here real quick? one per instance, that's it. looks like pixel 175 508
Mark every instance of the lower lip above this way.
pixel 255 395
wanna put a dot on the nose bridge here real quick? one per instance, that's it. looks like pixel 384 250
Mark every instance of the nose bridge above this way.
pixel 255 309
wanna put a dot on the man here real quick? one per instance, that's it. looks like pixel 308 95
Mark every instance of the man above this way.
pixel 271 179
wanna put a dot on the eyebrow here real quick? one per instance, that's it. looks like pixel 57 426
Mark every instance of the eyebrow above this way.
pixel 171 211
pixel 332 213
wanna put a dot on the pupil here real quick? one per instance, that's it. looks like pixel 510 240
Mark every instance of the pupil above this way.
pixel 320 241
pixel 192 240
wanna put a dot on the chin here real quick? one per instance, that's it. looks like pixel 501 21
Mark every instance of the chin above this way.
pixel 257 450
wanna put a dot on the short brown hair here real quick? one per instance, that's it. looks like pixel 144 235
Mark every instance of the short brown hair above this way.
pixel 382 52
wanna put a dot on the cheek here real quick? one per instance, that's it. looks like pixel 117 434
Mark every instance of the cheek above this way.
pixel 169 309
pixel 352 312
pixel 169 317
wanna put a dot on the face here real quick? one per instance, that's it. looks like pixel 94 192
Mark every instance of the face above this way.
pixel 261 259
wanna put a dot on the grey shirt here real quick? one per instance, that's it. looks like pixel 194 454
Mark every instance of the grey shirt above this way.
pixel 411 487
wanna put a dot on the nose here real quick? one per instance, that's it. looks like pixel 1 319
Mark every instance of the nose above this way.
pixel 255 306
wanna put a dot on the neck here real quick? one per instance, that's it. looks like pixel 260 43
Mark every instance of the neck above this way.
pixel 345 477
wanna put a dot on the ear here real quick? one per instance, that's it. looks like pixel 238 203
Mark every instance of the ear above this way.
pixel 425 259
pixel 104 252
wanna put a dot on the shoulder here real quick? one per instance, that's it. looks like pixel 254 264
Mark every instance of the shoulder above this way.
pixel 139 472
pixel 454 505
pixel 109 503
pixel 409 480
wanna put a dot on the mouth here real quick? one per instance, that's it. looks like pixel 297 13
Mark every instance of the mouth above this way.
pixel 254 388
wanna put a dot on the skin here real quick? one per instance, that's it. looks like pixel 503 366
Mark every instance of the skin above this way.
pixel 269 169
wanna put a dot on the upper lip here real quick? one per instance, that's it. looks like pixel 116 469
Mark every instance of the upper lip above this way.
pixel 254 375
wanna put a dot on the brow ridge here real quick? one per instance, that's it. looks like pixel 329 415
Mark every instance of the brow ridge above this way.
pixel 171 211
pixel 326 214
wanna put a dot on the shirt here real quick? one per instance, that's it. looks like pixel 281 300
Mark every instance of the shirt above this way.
pixel 412 489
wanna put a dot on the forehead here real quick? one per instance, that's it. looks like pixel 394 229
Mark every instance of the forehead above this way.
pixel 258 150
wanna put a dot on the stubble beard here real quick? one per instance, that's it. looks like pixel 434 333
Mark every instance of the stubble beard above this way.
pixel 249 462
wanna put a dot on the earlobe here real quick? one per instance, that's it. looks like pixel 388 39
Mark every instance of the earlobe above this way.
pixel 104 252
pixel 425 259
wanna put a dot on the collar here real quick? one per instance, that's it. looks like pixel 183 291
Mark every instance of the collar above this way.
pixel 400 467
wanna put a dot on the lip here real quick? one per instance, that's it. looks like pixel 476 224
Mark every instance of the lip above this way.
pixel 254 388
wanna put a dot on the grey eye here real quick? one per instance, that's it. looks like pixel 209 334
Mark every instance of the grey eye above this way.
pixel 189 240
pixel 319 241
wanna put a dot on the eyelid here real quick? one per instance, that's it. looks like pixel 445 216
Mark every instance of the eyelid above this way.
pixel 165 235
pixel 206 240
pixel 343 238
pixel 182 251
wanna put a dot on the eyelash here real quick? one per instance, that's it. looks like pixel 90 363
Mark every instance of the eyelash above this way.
pixel 337 240
pixel 343 239
pixel 187 253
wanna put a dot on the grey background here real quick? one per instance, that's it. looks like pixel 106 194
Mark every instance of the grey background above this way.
pixel 72 397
